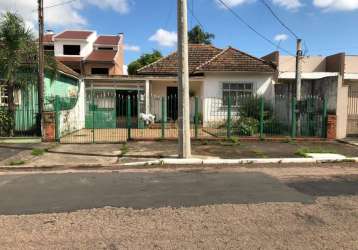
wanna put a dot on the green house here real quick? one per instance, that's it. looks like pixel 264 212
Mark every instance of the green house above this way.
pixel 66 84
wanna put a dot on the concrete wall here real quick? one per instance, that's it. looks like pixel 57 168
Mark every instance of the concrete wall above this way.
pixel 330 87
pixel 309 64
pixel 74 119
pixel 351 64
pixel 342 108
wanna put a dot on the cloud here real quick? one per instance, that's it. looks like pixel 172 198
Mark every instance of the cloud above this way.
pixel 120 6
pixel 164 38
pixel 232 3
pixel 280 37
pixel 336 5
pixel 61 16
pixel 133 48
pixel 288 4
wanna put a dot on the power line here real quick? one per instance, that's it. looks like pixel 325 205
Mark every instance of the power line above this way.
pixel 252 28
pixel 57 4
pixel 279 19
pixel 191 10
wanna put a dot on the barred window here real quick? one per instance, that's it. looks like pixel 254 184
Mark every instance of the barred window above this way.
pixel 235 91
pixel 3 96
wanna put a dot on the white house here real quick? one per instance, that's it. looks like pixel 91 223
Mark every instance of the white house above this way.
pixel 215 74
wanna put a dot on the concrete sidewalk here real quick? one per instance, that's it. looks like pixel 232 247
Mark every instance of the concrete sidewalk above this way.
pixel 164 153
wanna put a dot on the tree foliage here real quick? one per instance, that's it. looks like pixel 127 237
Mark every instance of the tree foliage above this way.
pixel 18 56
pixel 198 36
pixel 143 60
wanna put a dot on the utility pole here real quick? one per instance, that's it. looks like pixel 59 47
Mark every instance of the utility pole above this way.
pixel 41 59
pixel 298 81
pixel 298 69
pixel 183 82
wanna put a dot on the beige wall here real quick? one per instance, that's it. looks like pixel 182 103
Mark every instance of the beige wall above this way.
pixel 342 109
pixel 351 64
pixel 309 64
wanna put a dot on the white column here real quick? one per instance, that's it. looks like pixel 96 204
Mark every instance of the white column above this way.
pixel 147 97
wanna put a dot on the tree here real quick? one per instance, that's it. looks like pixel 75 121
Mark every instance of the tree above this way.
pixel 198 36
pixel 143 60
pixel 18 59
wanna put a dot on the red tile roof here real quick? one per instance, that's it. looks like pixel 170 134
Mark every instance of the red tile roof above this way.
pixel 108 40
pixel 198 54
pixel 203 58
pixel 72 34
pixel 67 70
pixel 48 38
pixel 101 56
pixel 233 60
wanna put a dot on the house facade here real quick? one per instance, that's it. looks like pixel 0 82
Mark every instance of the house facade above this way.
pixel 66 84
pixel 215 74
pixel 86 52
pixel 333 77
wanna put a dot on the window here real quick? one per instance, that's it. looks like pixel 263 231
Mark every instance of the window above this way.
pixel 235 91
pixel 99 71
pixel 3 96
pixel 49 47
pixel 105 48
pixel 71 50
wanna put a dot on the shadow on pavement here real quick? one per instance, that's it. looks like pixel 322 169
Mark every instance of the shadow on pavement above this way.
pixel 48 193
pixel 340 185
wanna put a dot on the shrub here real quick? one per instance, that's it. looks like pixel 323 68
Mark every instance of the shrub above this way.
pixel 249 106
pixel 247 126
pixel 6 122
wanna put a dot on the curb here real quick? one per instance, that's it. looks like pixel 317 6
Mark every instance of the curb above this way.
pixel 171 161
pixel 168 161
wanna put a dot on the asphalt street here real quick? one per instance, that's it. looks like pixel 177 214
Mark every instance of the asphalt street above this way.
pixel 48 193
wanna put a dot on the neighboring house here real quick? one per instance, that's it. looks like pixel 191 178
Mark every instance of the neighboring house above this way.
pixel 86 52
pixel 215 74
pixel 66 85
pixel 334 77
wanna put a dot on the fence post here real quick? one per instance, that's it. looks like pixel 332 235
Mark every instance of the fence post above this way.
pixel 262 117
pixel 57 120
pixel 129 117
pixel 228 130
pixel 324 118
pixel 163 120
pixel 293 114
pixel 196 117
pixel 93 113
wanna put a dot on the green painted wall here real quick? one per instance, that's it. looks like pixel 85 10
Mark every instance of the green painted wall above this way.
pixel 26 112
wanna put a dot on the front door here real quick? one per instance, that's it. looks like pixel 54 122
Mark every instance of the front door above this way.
pixel 122 107
pixel 172 103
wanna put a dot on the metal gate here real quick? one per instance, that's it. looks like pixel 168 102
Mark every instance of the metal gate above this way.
pixel 352 123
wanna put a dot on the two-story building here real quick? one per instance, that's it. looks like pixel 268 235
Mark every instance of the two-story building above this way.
pixel 86 52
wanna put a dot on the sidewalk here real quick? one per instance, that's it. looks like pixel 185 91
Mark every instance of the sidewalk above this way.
pixel 146 153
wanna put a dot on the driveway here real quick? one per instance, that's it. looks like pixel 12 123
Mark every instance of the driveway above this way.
pixel 47 193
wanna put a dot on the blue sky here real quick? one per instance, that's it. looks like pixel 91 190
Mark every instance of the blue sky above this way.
pixel 327 26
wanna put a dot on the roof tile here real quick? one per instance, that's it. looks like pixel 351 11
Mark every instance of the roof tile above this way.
pixel 108 40
pixel 73 34
pixel 203 58
pixel 101 56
